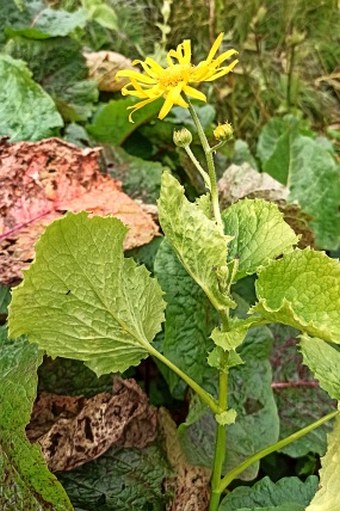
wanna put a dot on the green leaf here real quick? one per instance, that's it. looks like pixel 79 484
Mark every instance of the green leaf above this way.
pixel 111 123
pixel 302 290
pixel 124 479
pixel 299 399
pixel 323 360
pixel 81 299
pixel 310 171
pixel 260 234
pixel 51 23
pixel 25 481
pixel 289 491
pixel 327 497
pixel 197 241
pixel 5 298
pixel 250 394
pixel 27 112
pixel 60 67
pixel 141 178
pixel 103 14
pixel 190 319
pixel 314 182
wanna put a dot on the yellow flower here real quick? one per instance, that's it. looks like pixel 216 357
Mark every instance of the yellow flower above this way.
pixel 171 82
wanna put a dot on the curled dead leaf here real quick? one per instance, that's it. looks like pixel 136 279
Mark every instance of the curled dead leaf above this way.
pixel 103 66
pixel 40 181
pixel 74 430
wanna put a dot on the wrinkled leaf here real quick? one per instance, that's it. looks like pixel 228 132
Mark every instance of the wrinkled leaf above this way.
pixel 323 360
pixel 25 482
pixel 40 181
pixel 74 430
pixel 265 494
pixel 81 299
pixel 111 122
pixel 60 68
pixel 309 171
pixel 260 234
pixel 27 112
pixel 197 241
pixel 190 319
pixel 50 23
pixel 327 497
pixel 250 393
pixel 299 398
pixel 302 290
pixel 124 479
pixel 141 178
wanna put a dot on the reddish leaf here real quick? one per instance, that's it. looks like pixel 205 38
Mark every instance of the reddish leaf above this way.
pixel 40 181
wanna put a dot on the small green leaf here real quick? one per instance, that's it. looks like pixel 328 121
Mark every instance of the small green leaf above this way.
pixel 265 494
pixel 302 290
pixel 27 112
pixel 111 122
pixel 25 482
pixel 81 299
pixel 260 234
pixel 323 360
pixel 216 358
pixel 200 246
pixel 327 497
pixel 226 418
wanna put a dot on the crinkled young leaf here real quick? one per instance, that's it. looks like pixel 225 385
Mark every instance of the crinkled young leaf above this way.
pixel 81 299
pixel 302 290
pixel 27 112
pixel 260 234
pixel 323 359
pixel 25 481
pixel 327 497
pixel 289 491
pixel 200 246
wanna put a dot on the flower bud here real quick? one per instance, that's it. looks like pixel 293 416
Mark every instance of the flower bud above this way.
pixel 182 137
pixel 223 132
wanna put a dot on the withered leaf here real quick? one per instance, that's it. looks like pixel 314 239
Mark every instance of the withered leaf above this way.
pixel 191 485
pixel 74 430
pixel 103 66
pixel 40 181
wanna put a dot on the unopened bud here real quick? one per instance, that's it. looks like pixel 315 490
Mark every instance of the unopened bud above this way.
pixel 182 137
pixel 223 131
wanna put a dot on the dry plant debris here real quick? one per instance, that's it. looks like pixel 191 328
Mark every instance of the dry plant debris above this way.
pixel 40 181
pixel 74 430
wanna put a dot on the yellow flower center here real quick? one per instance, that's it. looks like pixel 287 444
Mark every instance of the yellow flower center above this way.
pixel 173 75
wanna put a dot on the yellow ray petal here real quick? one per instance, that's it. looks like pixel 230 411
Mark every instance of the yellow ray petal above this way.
pixel 223 71
pixel 194 93
pixel 215 47
pixel 138 106
pixel 140 77
pixel 172 98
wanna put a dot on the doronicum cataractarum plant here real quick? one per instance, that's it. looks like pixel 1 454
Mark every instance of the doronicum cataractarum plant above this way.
pixel 82 299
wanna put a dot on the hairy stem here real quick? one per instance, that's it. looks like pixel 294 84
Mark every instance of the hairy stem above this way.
pixel 228 478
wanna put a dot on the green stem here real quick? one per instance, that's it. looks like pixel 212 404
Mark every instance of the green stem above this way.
pixel 205 396
pixel 198 166
pixel 220 443
pixel 228 478
pixel 210 164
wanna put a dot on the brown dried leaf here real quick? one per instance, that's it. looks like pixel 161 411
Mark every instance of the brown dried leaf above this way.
pixel 191 486
pixel 103 66
pixel 74 430
pixel 40 181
